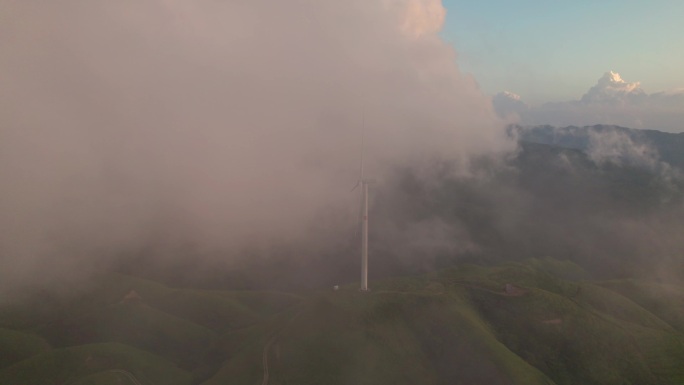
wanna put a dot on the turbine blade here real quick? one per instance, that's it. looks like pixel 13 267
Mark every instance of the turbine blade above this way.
pixel 363 128
pixel 361 207
pixel 357 233
pixel 363 134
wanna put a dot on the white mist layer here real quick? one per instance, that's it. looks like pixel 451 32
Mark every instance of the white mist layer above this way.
pixel 128 122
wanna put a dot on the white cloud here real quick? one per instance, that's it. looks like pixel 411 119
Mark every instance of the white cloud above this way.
pixel 611 88
pixel 612 101
pixel 211 122
pixel 509 105
pixel 419 17
pixel 618 147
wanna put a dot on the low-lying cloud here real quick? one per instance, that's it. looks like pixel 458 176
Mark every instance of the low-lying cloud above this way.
pixel 134 123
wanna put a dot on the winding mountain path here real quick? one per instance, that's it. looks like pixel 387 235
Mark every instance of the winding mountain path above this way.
pixel 264 360
pixel 267 348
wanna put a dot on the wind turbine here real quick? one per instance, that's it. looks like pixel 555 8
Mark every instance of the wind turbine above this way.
pixel 363 218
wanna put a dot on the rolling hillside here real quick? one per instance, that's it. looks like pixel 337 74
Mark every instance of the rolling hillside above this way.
pixel 532 322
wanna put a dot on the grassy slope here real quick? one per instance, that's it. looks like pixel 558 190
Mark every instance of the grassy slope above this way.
pixel 137 325
pixel 577 333
pixel 457 326
pixel 224 311
pixel 403 333
pixel 181 325
pixel 66 365
pixel 16 346
pixel 665 301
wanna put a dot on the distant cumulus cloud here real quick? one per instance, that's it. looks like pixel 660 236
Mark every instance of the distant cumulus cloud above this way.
pixel 611 89
pixel 611 101
pixel 509 105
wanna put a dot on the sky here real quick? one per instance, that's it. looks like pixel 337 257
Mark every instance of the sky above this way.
pixel 553 51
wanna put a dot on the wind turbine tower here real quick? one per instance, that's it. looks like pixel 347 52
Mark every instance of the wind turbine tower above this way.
pixel 364 234
pixel 363 217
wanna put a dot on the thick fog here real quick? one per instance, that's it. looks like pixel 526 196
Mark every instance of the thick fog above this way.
pixel 126 125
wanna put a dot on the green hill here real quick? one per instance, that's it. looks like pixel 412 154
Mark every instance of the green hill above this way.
pixel 73 364
pixel 16 346
pixel 136 325
pixel 564 330
pixel 534 322
pixel 510 324
pixel 664 300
